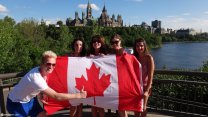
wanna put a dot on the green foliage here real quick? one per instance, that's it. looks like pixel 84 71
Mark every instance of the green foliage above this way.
pixel 22 44
pixel 27 29
pixel 179 92
pixel 9 20
pixel 7 45
pixel 60 23
pixel 174 37
pixel 61 44
pixel 205 67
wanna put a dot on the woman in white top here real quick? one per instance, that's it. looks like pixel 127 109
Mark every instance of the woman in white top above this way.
pixel 22 99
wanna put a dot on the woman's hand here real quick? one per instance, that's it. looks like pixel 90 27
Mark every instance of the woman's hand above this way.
pixel 91 56
pixel 146 93
pixel 102 55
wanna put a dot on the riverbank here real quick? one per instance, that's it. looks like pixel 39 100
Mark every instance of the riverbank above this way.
pixel 189 56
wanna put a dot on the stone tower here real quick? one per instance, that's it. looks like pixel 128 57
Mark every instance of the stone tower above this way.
pixel 76 16
pixel 89 11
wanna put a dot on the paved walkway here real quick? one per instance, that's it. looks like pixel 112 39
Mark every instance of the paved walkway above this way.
pixel 87 113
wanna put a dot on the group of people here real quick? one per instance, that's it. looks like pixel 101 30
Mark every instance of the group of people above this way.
pixel 22 100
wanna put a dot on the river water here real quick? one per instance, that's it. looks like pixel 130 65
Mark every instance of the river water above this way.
pixel 181 55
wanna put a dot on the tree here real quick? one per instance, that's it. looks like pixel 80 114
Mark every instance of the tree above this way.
pixel 9 20
pixel 7 45
pixel 61 44
pixel 27 28
pixel 60 23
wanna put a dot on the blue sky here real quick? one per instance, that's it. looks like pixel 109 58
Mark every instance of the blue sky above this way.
pixel 175 14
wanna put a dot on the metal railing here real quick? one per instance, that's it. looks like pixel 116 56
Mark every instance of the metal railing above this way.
pixel 180 93
pixel 7 81
pixel 174 92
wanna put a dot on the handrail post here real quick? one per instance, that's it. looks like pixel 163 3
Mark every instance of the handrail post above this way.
pixel 2 104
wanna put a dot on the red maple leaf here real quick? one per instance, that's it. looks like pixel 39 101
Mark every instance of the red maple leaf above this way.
pixel 94 86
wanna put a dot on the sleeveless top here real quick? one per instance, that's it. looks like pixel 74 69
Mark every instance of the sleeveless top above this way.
pixel 144 73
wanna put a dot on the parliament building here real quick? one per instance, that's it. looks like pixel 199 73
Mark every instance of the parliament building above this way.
pixel 88 20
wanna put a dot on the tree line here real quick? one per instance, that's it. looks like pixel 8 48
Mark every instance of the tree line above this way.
pixel 22 43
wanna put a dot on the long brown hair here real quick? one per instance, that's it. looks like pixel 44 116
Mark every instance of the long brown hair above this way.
pixel 101 39
pixel 83 52
pixel 117 36
pixel 146 51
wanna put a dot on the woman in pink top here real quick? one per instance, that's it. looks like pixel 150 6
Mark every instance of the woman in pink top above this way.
pixel 142 54
pixel 78 50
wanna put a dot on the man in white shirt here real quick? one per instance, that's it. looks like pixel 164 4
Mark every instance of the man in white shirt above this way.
pixel 22 99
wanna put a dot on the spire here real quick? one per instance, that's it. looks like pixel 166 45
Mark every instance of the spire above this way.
pixel 104 9
pixel 42 21
pixel 113 17
pixel 88 4
pixel 83 15
pixel 89 11
pixel 76 15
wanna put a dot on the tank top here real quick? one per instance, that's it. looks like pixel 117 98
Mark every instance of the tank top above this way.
pixel 144 72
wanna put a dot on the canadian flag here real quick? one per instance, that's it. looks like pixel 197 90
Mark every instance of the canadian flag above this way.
pixel 112 82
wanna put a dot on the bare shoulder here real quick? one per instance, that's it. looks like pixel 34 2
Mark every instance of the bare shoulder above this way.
pixel 150 61
pixel 149 56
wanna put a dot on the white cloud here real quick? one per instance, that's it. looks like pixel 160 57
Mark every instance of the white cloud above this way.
pixel 186 14
pixel 179 22
pixel 95 7
pixel 3 9
pixel 171 16
pixel 84 6
pixel 52 20
pixel 206 12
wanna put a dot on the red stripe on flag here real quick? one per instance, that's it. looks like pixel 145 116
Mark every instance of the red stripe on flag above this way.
pixel 130 91
pixel 58 81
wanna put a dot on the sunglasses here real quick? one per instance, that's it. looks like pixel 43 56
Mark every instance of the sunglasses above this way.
pixel 50 64
pixel 114 42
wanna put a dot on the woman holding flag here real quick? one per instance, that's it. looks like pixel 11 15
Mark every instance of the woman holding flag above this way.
pixel 142 54
pixel 78 50
pixel 116 48
pixel 97 48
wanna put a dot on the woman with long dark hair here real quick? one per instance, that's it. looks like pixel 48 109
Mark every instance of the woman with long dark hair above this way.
pixel 97 48
pixel 145 58
pixel 78 50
